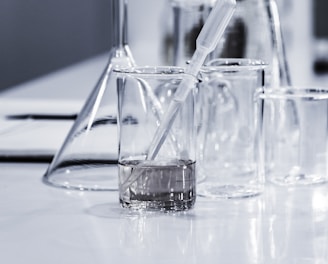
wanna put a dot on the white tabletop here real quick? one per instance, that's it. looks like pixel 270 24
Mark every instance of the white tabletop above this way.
pixel 43 224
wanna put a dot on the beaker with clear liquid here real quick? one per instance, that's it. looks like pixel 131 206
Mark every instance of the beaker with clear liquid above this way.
pixel 166 183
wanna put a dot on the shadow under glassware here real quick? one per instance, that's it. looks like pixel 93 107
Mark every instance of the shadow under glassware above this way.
pixel 294 135
pixel 227 129
pixel 166 182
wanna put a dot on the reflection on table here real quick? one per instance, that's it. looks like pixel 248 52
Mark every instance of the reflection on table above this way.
pixel 283 225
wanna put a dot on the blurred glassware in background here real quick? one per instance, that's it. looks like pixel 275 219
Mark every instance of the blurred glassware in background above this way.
pixel 88 157
pixel 150 35
pixel 189 17
pixel 304 25
pixel 254 32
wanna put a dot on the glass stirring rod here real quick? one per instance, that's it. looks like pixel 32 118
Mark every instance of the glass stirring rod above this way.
pixel 206 42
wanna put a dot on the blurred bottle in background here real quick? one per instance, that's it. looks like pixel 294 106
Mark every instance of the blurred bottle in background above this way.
pixel 304 24
pixel 189 17
pixel 149 30
pixel 163 32
pixel 167 34
pixel 254 32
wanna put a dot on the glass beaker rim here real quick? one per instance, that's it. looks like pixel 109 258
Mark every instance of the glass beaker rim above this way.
pixel 232 64
pixel 163 71
pixel 183 3
pixel 294 92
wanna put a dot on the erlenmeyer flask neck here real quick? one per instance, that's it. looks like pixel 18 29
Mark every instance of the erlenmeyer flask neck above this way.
pixel 120 54
pixel 119 22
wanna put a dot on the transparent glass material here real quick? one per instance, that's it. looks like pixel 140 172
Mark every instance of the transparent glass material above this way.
pixel 87 160
pixel 189 18
pixel 254 32
pixel 294 135
pixel 206 41
pixel 227 129
pixel 167 182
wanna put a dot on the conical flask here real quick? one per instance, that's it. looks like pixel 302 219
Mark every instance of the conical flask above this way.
pixel 87 160
pixel 254 32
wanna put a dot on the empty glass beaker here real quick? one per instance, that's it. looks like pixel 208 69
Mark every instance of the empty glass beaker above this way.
pixel 87 160
pixel 228 125
pixel 294 135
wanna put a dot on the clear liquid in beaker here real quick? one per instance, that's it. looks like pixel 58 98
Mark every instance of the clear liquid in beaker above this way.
pixel 167 187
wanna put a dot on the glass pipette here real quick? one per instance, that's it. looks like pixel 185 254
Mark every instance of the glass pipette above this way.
pixel 206 42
